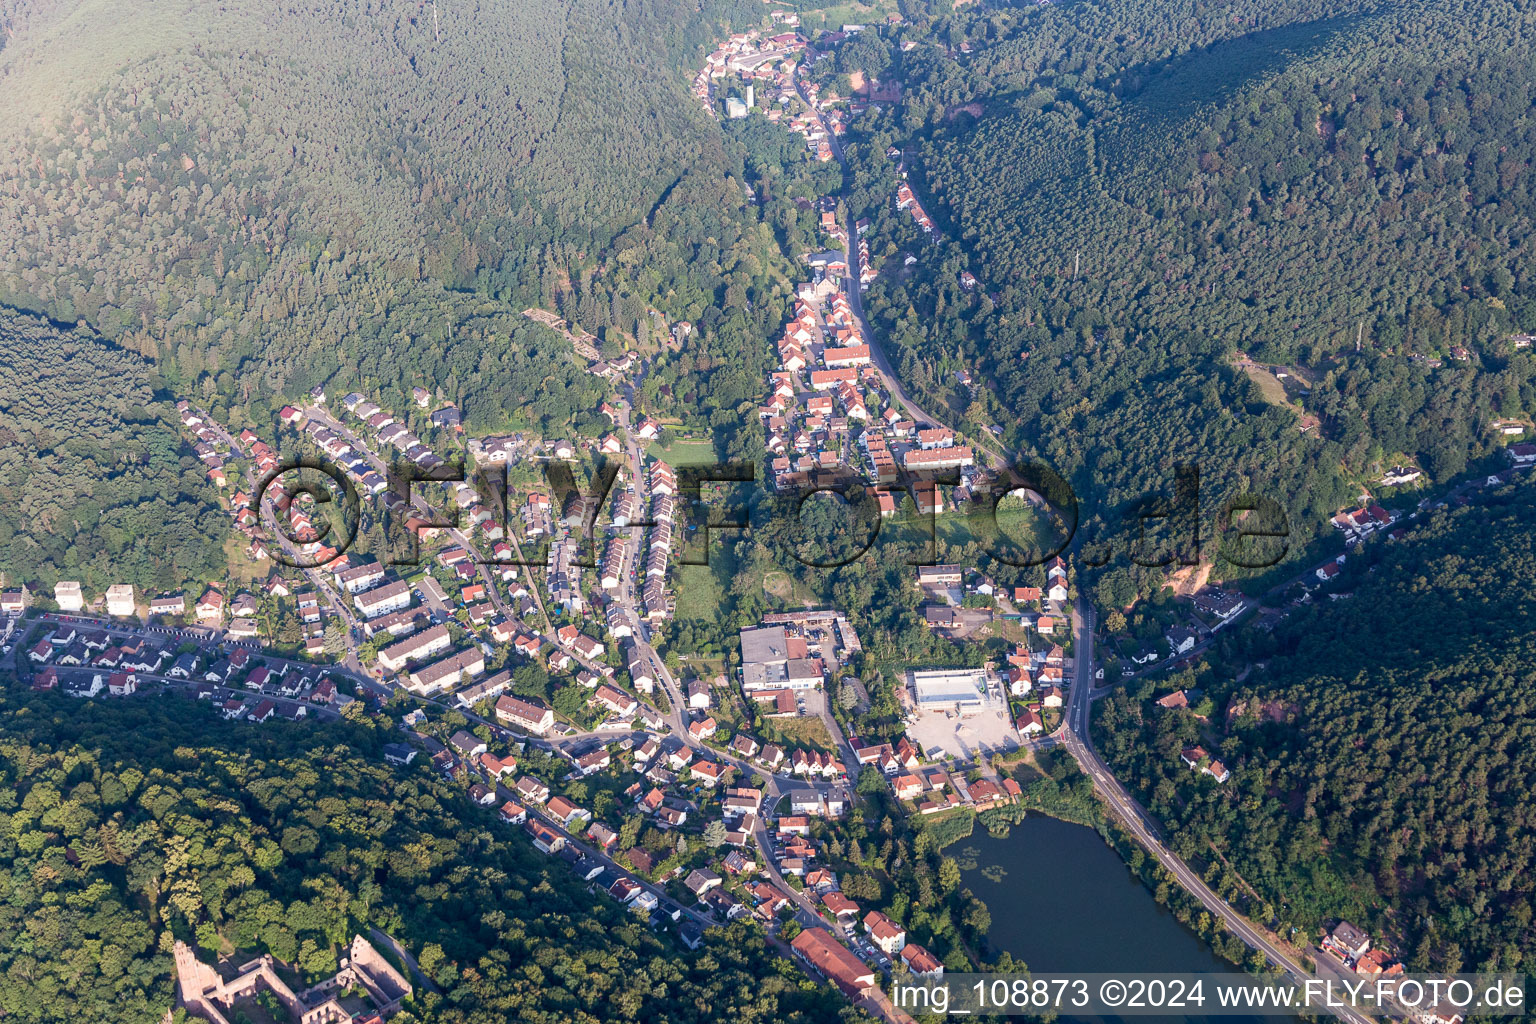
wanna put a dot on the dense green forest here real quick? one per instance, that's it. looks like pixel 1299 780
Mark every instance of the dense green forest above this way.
pixel 95 483
pixel 1145 189
pixel 1317 170
pixel 125 826
pixel 264 199
pixel 259 201
pixel 1380 748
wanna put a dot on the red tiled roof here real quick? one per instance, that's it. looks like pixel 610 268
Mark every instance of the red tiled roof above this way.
pixel 831 958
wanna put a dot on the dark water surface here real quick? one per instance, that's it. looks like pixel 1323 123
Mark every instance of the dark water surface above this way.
pixel 1063 901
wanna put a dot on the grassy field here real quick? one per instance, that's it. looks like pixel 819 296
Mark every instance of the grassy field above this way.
pixel 701 588
pixel 783 587
pixel 243 569
pixel 684 453
pixel 1021 530
pixel 810 733
pixel 705 668
pixel 1008 629
pixel 698 592
pixel 1269 385
pixel 778 584
pixel 851 12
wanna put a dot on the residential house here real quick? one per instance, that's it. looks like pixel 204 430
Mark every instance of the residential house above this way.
pixel 885 933
pixel 1029 723
pixel 1378 963
pixel 640 860
pixel 399 753
pixel 565 812
pixel 529 715
pixel 603 836
pixel 545 839
pixel 840 907
pixel 497 768
pixel 1180 640
pixel 210 607
pixel 701 880
pixel 531 789
pixel 738 863
pixel 617 701
pixel 467 744
pixel 67 595
pixel 1196 759
pixel 1346 941
pixel 120 600
pixel 168 604
pixel 596 761
pixel 711 773
pixel 920 962
pixel 625 889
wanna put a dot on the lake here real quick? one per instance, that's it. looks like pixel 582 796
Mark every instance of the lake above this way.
pixel 1062 901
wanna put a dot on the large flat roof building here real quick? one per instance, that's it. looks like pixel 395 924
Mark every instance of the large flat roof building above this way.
pixel 947 689
pixel 765 645
pixel 771 659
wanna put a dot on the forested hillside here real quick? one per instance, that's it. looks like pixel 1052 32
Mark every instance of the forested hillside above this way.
pixel 1381 748
pixel 261 199
pixel 126 826
pixel 1144 190
pixel 1288 173
pixel 94 484
pixel 270 192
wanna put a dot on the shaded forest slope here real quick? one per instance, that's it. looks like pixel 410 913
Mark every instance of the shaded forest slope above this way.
pixel 1382 750
pixel 94 482
pixel 234 187
pixel 1276 189
pixel 125 826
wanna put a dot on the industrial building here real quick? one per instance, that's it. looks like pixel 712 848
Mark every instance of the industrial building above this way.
pixel 950 689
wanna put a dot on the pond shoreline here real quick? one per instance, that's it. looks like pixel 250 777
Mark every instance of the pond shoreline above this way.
pixel 1064 900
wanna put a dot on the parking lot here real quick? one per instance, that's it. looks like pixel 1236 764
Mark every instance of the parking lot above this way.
pixel 966 737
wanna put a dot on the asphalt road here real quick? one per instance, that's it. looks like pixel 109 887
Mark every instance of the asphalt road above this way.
pixel 1077 739
pixel 856 301
pixel 877 354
